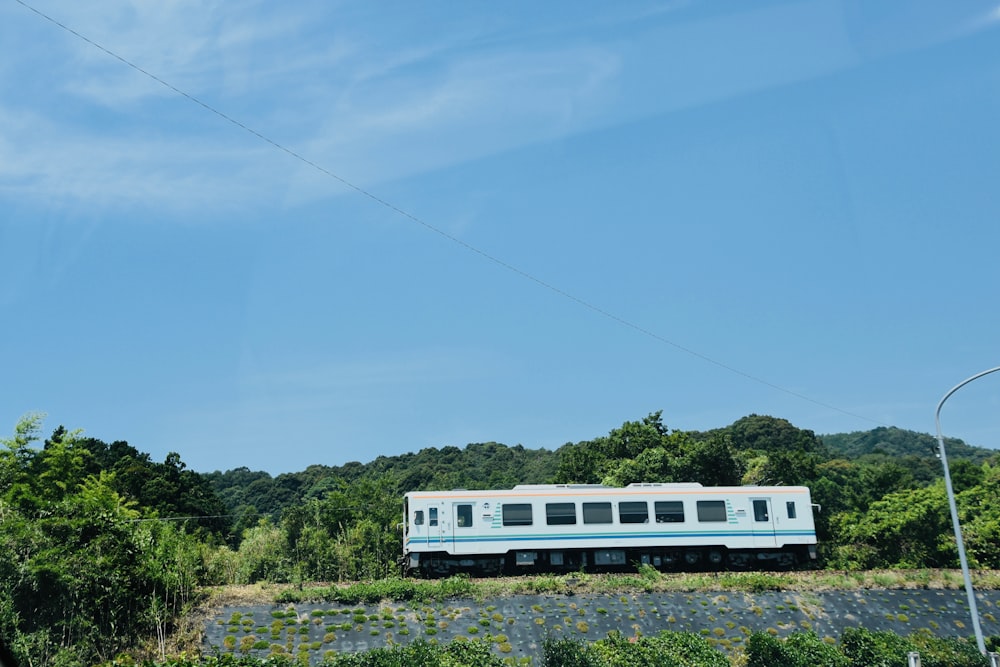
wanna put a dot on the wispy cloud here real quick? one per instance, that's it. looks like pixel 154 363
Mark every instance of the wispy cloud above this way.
pixel 368 96
pixel 368 112
pixel 485 105
pixel 51 162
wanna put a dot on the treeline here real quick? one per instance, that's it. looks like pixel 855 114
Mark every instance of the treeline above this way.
pixel 881 494
pixel 252 495
pixel 105 548
pixel 877 510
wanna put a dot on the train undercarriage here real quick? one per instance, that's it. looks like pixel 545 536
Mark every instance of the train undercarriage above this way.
pixel 443 564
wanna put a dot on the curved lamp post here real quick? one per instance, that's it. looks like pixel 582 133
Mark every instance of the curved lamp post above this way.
pixel 954 511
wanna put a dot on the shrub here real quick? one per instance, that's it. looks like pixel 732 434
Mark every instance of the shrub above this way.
pixel 864 648
pixel 247 643
pixel 764 649
pixel 807 649
pixel 568 653
pixel 667 649
pixel 947 652
pixel 424 654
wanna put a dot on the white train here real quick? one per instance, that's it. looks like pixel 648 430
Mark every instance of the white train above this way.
pixel 568 527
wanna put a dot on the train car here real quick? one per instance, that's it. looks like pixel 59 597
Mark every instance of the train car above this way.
pixel 569 527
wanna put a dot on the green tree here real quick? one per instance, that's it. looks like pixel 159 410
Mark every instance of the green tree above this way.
pixel 637 451
pixel 904 529
pixel 710 462
pixel 771 434
pixel 74 591
pixel 349 534
pixel 62 465
pixel 578 464
pixel 16 457
pixel 979 511
pixel 651 465
pixel 85 574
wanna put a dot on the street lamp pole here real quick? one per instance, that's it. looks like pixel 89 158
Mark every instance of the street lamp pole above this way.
pixel 954 512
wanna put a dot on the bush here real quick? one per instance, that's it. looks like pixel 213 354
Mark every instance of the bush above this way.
pixel 864 648
pixel 667 649
pixel 948 652
pixel 801 649
pixel 884 649
pixel 568 653
pixel 684 648
pixel 808 650
pixel 421 654
pixel 763 650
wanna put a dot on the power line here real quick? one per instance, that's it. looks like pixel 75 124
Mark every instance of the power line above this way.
pixel 249 513
pixel 437 230
pixel 199 517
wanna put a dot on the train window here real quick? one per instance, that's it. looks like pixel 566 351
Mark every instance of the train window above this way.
pixel 560 514
pixel 633 512
pixel 669 511
pixel 790 506
pixel 432 516
pixel 597 512
pixel 463 516
pixel 418 518
pixel 711 510
pixel 517 514
pixel 760 511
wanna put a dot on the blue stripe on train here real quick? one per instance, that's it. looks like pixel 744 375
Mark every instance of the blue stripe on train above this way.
pixel 530 538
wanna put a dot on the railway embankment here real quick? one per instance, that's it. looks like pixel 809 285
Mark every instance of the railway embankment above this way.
pixel 517 615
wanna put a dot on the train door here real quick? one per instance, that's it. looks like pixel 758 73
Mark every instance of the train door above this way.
pixel 411 529
pixel 461 521
pixel 438 526
pixel 763 523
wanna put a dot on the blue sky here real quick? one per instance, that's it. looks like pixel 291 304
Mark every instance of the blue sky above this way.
pixel 586 212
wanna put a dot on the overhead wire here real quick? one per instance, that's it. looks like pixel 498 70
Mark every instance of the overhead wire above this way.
pixel 437 230
pixel 249 513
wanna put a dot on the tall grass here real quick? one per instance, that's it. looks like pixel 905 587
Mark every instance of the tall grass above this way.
pixel 646 580
pixel 385 589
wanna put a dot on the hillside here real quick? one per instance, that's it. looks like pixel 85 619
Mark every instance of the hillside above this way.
pixel 897 442
pixel 478 465
pixel 253 494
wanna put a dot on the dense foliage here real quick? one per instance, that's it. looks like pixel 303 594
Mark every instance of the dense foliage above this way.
pixel 880 509
pixel 858 648
pixel 897 442
pixel 84 576
pixel 251 495
pixel 861 648
pixel 105 547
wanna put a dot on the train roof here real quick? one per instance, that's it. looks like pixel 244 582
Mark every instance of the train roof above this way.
pixel 528 490
pixel 543 487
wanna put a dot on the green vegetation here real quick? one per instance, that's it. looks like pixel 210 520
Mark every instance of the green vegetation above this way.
pixel 859 648
pixel 83 575
pixel 105 549
pixel 338 524
pixel 460 586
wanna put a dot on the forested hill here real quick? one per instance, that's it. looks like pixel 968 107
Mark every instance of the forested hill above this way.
pixel 249 494
pixel 767 449
pixel 896 442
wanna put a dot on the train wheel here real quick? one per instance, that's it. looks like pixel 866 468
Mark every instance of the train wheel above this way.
pixel 786 561
pixel 715 557
pixel 740 561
